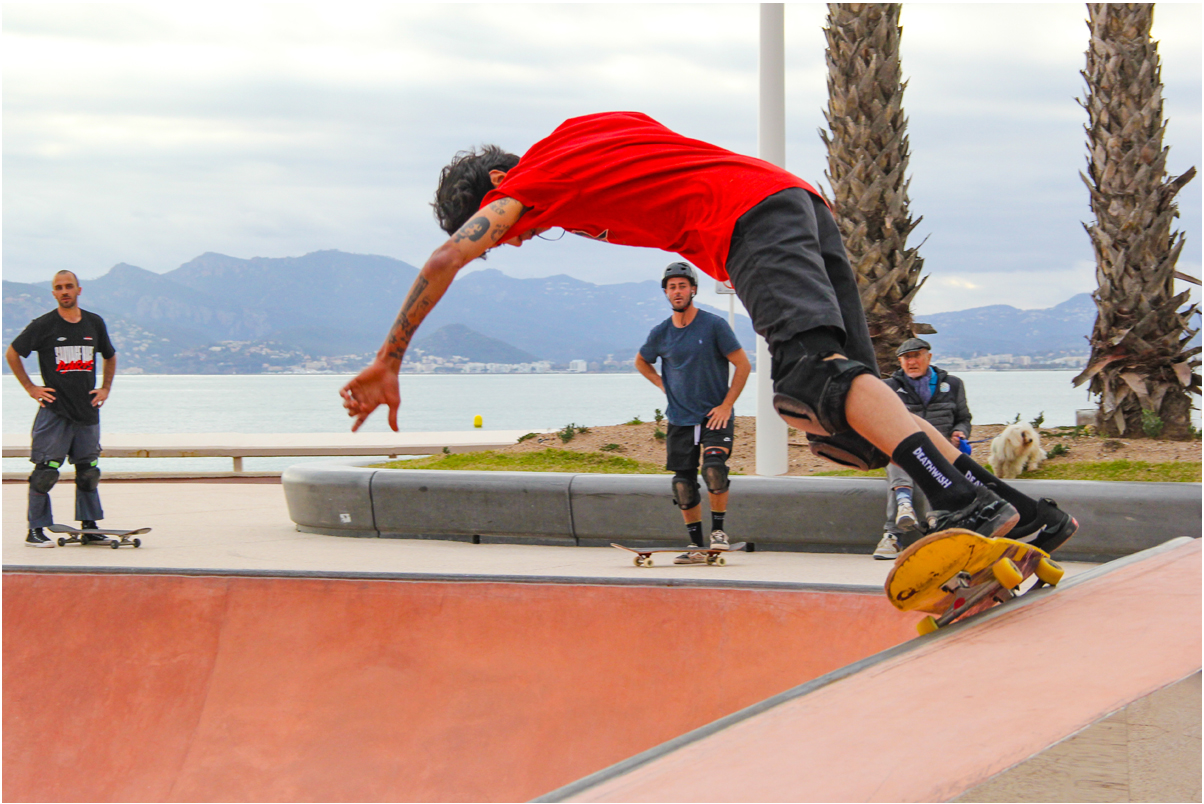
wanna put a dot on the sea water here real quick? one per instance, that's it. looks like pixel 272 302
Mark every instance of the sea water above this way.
pixel 310 403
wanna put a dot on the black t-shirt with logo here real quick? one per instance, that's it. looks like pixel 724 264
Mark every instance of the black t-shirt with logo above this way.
pixel 67 358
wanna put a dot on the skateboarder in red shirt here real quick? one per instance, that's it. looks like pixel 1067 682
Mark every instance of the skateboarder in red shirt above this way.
pixel 624 178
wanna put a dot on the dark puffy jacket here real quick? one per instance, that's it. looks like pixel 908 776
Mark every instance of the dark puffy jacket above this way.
pixel 946 411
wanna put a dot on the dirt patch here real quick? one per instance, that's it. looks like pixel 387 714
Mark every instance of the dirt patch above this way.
pixel 637 441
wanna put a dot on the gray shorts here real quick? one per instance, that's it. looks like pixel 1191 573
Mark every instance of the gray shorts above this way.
pixel 789 268
pixel 56 438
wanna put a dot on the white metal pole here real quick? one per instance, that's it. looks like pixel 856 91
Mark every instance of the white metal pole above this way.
pixel 771 146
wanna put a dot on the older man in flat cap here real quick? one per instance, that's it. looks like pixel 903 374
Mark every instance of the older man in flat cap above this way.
pixel 940 398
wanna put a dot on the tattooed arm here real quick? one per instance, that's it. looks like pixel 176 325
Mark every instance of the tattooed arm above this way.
pixel 377 384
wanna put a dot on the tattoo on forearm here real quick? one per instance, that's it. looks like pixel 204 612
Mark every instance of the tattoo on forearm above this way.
pixel 403 329
pixel 474 230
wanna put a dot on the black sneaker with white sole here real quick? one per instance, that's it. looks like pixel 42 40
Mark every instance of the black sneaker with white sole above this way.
pixel 35 538
pixel 988 515
pixel 1049 529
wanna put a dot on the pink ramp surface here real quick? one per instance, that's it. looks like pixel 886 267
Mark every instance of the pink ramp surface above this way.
pixel 172 688
pixel 928 724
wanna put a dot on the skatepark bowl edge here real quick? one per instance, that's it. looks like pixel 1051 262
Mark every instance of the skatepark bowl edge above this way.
pixel 177 685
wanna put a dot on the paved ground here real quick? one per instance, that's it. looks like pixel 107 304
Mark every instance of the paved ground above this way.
pixel 245 526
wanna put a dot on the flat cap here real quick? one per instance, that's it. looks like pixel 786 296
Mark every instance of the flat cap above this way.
pixel 912 345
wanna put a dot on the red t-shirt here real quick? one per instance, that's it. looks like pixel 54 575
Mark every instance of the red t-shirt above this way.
pixel 624 178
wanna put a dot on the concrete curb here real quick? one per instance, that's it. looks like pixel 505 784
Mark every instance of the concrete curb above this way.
pixel 816 514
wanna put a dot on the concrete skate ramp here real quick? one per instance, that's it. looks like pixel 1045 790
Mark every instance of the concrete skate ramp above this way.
pixel 158 687
pixel 1090 692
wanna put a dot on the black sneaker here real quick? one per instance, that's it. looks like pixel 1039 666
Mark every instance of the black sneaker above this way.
pixel 1049 529
pixel 87 524
pixel 91 538
pixel 35 538
pixel 988 514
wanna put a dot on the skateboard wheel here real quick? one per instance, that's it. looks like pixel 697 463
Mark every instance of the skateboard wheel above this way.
pixel 1007 573
pixel 1049 571
pixel 114 545
pixel 648 561
pixel 927 625
pixel 62 542
pixel 720 560
pixel 137 543
pixel 639 561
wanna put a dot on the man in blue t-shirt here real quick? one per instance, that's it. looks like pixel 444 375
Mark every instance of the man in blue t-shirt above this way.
pixel 695 349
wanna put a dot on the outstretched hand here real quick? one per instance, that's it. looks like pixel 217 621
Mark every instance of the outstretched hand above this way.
pixel 374 386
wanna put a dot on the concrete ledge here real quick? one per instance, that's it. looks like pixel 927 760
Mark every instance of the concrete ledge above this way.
pixel 819 514
pixel 330 498
pixel 518 507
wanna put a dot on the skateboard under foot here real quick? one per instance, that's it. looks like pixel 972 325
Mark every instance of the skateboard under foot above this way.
pixel 112 538
pixel 956 573
pixel 643 555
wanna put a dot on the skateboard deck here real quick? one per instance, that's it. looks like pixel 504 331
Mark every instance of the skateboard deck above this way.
pixel 643 555
pixel 122 537
pixel 956 573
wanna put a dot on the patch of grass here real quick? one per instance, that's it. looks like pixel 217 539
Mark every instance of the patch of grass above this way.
pixel 635 420
pixel 526 437
pixel 1170 472
pixel 548 460
pixel 611 448
pixel 658 434
pixel 570 431
pixel 1056 450
pixel 851 473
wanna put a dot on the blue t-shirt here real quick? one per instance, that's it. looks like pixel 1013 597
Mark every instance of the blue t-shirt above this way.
pixel 694 364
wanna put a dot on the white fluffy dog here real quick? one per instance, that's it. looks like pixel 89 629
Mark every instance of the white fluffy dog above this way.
pixel 1017 449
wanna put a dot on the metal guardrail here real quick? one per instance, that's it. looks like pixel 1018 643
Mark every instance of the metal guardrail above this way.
pixel 238 446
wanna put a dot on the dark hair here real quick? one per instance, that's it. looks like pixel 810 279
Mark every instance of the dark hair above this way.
pixel 464 182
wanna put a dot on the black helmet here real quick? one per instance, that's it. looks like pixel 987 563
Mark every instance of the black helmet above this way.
pixel 679 269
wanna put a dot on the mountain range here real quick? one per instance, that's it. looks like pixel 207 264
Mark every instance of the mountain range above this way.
pixel 281 312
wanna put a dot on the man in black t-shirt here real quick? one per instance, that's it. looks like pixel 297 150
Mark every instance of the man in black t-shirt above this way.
pixel 67 341
pixel 695 349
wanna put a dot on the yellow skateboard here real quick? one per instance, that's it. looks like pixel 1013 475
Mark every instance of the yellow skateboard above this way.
pixel 955 573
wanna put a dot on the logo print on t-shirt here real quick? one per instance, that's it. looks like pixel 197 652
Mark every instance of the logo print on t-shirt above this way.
pixel 73 358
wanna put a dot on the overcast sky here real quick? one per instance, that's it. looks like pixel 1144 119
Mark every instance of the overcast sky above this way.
pixel 149 134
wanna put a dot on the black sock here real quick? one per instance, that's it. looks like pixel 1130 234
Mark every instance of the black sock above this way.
pixel 695 531
pixel 717 519
pixel 1025 505
pixel 946 488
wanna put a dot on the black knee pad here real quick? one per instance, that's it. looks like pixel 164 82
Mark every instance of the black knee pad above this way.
pixel 848 449
pixel 685 490
pixel 810 392
pixel 44 476
pixel 87 477
pixel 714 469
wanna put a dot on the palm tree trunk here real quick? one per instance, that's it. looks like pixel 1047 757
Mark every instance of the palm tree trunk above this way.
pixel 867 163
pixel 1140 366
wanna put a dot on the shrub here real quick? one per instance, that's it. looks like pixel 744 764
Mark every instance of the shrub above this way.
pixel 636 420
pixel 658 417
pixel 1037 422
pixel 526 437
pixel 567 433
pixel 611 448
pixel 1056 450
pixel 658 434
pixel 1151 423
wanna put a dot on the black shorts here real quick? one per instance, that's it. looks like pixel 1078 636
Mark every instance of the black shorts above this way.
pixel 684 443
pixel 789 268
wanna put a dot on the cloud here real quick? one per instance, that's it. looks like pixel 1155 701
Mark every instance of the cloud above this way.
pixel 152 133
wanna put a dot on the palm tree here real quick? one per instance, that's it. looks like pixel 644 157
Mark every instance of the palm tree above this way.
pixel 1140 366
pixel 867 163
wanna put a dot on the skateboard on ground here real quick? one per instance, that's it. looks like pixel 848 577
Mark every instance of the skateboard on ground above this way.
pixel 955 573
pixel 122 537
pixel 643 555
